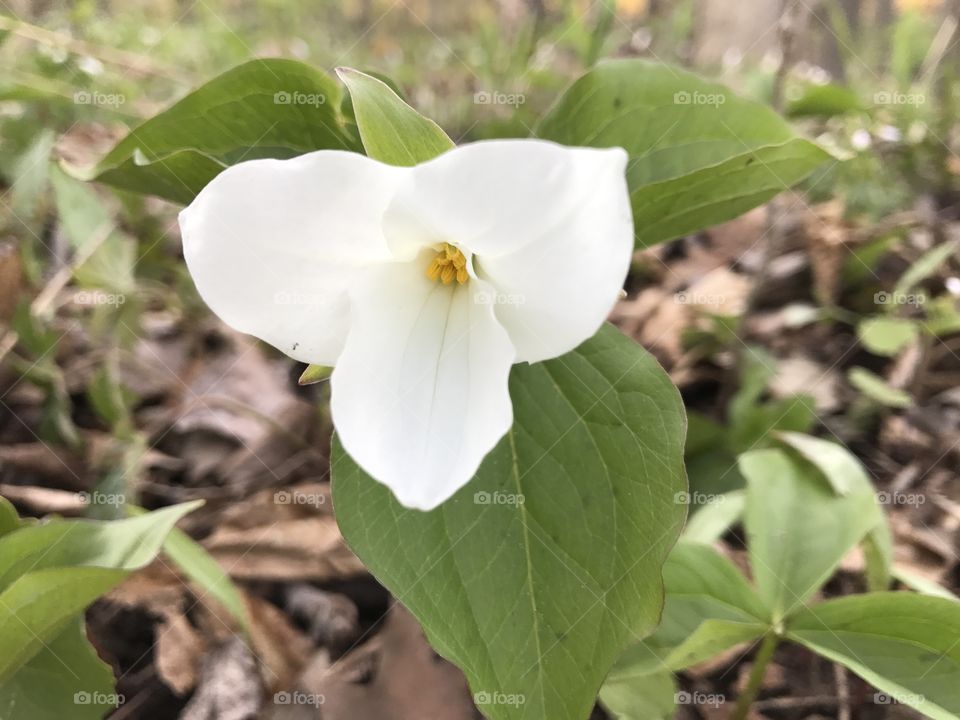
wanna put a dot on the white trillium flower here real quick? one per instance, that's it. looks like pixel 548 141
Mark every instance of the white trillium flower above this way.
pixel 420 285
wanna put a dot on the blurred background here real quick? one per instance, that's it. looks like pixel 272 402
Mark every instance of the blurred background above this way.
pixel 835 309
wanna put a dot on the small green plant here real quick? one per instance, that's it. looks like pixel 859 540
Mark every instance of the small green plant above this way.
pixel 807 503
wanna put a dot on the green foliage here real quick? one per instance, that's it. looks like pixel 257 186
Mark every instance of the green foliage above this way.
pixel 198 565
pixel 64 679
pixel 824 101
pixel 884 335
pixel 699 154
pixel 902 643
pixel 877 389
pixel 48 574
pixel 627 695
pixel 793 553
pixel 263 108
pixel 582 490
pixel 805 509
pixel 391 131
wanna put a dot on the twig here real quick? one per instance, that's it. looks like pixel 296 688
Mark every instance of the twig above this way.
pixel 843 692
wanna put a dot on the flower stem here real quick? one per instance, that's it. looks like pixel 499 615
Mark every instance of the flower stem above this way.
pixel 749 694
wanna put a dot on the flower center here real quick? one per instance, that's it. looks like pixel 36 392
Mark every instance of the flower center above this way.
pixel 448 265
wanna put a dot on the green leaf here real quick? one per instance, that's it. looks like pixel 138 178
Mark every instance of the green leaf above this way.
pixel 197 564
pixel 798 529
pixel 262 109
pixel 710 607
pixel 314 374
pixel 9 519
pixel 65 679
pixel 392 131
pixel 628 695
pixel 925 266
pixel 887 335
pixel 922 585
pixel 902 643
pixel 712 520
pixel 847 476
pixel 125 544
pixel 553 552
pixel 824 101
pixel 699 154
pixel 878 389
pixel 49 573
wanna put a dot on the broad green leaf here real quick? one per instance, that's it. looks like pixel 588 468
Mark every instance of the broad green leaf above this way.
pixel 392 131
pixel 38 606
pixel 824 101
pixel 65 679
pixel 887 335
pixel 699 154
pixel 847 476
pixel 713 519
pixel 639 696
pixel 878 389
pixel 902 643
pixel 839 466
pixel 553 552
pixel 262 109
pixel 124 544
pixel 798 528
pixel 50 573
pixel 709 607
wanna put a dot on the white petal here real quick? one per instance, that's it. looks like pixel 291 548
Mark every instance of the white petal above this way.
pixel 272 245
pixel 419 395
pixel 549 227
pixel 556 291
pixel 494 196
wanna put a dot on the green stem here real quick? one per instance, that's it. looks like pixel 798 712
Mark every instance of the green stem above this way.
pixel 760 662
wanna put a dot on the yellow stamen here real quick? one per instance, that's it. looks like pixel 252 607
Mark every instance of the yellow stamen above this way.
pixel 448 265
